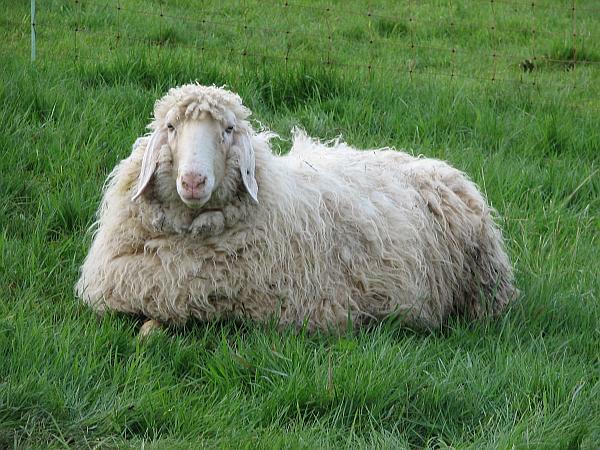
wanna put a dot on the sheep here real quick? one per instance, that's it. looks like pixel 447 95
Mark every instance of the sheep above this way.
pixel 204 221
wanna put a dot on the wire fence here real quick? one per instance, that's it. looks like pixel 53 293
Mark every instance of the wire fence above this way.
pixel 493 41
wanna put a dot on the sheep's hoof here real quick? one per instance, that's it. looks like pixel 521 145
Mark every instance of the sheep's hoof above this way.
pixel 149 327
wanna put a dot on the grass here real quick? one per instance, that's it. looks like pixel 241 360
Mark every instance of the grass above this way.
pixel 530 139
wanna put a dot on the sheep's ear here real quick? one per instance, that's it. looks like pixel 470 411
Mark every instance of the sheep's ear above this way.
pixel 247 166
pixel 150 160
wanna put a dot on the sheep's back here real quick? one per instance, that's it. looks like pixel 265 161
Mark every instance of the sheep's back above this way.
pixel 414 233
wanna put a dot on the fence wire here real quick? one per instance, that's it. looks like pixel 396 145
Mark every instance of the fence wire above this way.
pixel 378 41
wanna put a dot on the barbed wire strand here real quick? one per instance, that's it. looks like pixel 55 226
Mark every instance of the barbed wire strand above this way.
pixel 574 19
pixel 244 6
pixel 148 44
pixel 371 51
pixel 400 19
pixel 160 25
pixel 413 44
pixel 571 61
pixel 494 40
pixel 450 50
pixel 76 29
pixel 288 43
pixel 452 33
pixel 266 29
pixel 514 3
pixel 367 13
pixel 534 63
pixel 412 26
pixel 118 26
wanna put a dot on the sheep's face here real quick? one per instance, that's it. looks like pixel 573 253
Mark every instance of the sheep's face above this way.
pixel 201 143
pixel 199 147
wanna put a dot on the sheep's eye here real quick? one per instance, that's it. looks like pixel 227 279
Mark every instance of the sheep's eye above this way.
pixel 170 127
pixel 228 130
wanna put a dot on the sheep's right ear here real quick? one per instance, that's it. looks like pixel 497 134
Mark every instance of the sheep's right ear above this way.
pixel 150 160
pixel 248 166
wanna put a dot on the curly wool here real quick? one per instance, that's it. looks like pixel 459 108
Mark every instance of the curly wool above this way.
pixel 337 234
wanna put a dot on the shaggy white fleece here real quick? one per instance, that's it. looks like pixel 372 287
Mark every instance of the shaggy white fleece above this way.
pixel 336 234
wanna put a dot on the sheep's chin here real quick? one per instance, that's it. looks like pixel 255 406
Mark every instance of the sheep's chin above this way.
pixel 196 203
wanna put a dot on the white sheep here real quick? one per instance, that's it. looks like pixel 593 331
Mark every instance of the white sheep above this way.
pixel 203 221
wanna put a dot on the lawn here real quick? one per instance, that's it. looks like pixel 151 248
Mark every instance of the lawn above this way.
pixel 506 91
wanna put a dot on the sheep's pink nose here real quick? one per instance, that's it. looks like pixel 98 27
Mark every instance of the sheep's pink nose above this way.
pixel 193 183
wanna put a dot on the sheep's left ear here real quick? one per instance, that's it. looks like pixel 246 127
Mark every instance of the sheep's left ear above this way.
pixel 248 166
pixel 150 160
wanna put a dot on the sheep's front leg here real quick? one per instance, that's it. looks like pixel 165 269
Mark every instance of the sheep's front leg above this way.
pixel 160 221
pixel 208 223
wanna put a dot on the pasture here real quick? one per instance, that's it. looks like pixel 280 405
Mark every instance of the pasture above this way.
pixel 421 76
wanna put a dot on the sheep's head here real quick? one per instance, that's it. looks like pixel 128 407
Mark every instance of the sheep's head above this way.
pixel 202 126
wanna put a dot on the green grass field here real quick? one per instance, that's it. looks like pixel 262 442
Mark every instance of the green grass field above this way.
pixel 530 138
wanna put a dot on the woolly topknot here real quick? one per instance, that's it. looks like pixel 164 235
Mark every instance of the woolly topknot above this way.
pixel 191 99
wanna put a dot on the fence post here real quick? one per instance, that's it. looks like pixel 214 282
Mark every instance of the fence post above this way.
pixel 32 30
